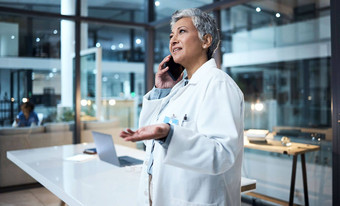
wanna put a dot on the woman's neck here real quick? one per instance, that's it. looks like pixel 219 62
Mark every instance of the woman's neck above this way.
pixel 26 114
pixel 194 66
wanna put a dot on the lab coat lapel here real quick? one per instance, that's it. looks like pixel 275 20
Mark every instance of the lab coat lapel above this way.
pixel 178 90
pixel 173 93
pixel 196 77
pixel 203 71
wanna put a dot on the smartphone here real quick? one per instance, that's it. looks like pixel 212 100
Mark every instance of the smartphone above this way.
pixel 90 151
pixel 175 70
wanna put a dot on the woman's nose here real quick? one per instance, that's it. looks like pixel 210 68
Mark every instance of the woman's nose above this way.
pixel 173 40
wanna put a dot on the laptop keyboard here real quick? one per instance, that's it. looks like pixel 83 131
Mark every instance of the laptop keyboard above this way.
pixel 128 161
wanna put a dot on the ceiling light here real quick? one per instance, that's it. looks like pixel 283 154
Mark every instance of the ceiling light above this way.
pixel 112 102
pixel 259 106
pixel 121 45
pixel 97 44
pixel 83 102
pixel 277 15
pixel 157 3
pixel 113 47
pixel 37 39
pixel 55 31
pixel 12 37
pixel 138 41
pixel 258 9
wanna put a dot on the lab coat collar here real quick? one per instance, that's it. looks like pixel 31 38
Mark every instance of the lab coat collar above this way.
pixel 202 71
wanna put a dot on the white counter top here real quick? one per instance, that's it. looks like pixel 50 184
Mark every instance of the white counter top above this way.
pixel 90 182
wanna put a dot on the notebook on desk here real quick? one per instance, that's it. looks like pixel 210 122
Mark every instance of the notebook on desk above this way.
pixel 107 152
pixel 256 136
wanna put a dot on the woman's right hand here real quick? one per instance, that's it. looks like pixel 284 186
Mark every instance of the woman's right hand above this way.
pixel 156 131
pixel 162 78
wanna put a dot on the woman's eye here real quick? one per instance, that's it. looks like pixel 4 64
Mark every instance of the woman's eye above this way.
pixel 170 36
pixel 181 31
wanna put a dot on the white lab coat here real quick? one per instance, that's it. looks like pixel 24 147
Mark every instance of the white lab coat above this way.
pixel 202 165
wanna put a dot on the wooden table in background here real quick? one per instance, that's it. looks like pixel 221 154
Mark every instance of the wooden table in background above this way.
pixel 295 149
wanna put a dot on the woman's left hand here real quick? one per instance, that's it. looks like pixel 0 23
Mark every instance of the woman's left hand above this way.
pixel 156 131
pixel 162 78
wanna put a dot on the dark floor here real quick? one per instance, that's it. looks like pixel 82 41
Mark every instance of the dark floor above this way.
pixel 42 197
pixel 29 197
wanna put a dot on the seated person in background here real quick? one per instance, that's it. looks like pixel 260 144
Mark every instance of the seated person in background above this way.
pixel 27 117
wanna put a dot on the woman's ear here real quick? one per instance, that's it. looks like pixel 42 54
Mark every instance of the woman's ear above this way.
pixel 207 39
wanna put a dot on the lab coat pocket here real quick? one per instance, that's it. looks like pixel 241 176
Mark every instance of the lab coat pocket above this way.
pixel 179 202
pixel 186 122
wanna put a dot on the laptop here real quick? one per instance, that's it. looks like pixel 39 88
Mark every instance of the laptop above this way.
pixel 107 152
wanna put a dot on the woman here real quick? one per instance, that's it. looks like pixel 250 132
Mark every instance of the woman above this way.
pixel 27 117
pixel 194 130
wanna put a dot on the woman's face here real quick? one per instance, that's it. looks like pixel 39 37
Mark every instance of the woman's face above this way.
pixel 25 109
pixel 185 45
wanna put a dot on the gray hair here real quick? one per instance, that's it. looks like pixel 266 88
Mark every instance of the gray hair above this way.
pixel 204 23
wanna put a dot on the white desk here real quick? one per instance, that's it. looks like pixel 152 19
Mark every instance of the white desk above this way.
pixel 91 182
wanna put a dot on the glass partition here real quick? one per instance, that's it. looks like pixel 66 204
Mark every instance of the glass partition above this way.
pixel 122 74
pixel 51 6
pixel 164 9
pixel 90 85
pixel 117 43
pixel 278 52
pixel 29 37
pixel 31 67
pixel 162 43
pixel 294 94
pixel 130 11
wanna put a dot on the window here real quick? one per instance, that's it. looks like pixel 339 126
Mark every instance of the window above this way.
pixel 279 55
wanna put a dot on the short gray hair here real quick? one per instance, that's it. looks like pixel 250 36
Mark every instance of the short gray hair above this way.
pixel 204 23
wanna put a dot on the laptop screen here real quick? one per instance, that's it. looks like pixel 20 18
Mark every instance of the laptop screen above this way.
pixel 107 151
pixel 105 148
